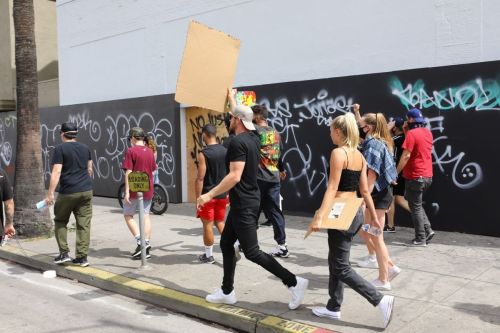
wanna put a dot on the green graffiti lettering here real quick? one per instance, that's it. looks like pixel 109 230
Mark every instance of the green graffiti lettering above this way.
pixel 477 95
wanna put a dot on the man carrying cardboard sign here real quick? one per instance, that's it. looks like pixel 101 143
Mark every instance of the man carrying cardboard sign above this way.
pixel 243 161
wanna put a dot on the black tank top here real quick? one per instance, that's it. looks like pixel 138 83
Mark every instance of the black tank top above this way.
pixel 215 160
pixel 349 179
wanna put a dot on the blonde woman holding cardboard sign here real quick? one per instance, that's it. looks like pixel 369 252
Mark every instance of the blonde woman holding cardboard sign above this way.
pixel 347 174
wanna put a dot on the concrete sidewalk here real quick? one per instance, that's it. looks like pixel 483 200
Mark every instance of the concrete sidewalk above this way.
pixel 453 285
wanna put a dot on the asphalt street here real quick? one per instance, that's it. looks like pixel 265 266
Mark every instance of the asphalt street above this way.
pixel 33 303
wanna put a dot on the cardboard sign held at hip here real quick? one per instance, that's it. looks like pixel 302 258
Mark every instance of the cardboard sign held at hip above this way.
pixel 208 68
pixel 341 214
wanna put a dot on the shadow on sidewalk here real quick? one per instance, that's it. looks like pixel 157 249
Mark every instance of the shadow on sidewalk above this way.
pixel 486 312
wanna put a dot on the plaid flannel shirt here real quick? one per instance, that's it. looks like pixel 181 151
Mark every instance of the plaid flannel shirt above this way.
pixel 381 161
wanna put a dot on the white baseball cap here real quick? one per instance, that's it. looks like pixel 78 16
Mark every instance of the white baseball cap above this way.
pixel 244 113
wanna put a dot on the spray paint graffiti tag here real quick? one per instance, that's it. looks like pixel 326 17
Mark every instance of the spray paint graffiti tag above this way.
pixel 464 176
pixel 478 95
pixel 298 156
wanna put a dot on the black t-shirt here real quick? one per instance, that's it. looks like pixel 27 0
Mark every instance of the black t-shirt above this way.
pixel 5 191
pixel 227 140
pixel 244 147
pixel 74 157
pixel 215 157
pixel 398 147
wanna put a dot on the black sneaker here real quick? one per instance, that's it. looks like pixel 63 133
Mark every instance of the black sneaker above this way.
pixel 429 236
pixel 206 260
pixel 417 243
pixel 389 229
pixel 81 261
pixel 280 251
pixel 137 251
pixel 62 258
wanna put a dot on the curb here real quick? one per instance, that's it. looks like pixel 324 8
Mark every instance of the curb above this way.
pixel 195 306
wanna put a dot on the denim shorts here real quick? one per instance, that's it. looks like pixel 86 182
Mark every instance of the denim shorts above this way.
pixel 382 199
pixel 130 209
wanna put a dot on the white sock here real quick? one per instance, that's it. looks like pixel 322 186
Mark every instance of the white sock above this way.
pixel 208 251
pixel 372 257
pixel 138 239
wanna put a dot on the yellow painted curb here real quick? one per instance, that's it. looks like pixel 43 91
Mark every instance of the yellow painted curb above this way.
pixel 277 324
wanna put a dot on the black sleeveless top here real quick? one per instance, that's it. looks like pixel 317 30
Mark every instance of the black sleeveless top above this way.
pixel 349 179
pixel 215 156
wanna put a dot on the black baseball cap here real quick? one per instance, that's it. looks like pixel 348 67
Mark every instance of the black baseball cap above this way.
pixel 70 130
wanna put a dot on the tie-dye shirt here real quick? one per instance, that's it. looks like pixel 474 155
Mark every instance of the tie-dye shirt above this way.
pixel 270 151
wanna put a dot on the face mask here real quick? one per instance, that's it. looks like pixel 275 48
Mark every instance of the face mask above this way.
pixel 362 133
pixel 415 125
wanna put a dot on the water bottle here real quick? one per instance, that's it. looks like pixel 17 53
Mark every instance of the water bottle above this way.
pixel 4 240
pixel 372 230
pixel 41 205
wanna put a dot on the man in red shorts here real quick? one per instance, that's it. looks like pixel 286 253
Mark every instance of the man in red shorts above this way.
pixel 211 170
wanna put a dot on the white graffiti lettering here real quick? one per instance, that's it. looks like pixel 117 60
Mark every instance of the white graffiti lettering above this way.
pixel 287 118
pixel 464 176
pixel 110 136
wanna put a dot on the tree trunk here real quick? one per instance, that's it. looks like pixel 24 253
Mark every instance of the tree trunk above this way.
pixel 28 185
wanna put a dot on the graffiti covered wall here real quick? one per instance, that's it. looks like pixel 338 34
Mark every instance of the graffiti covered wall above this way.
pixel 104 128
pixel 462 104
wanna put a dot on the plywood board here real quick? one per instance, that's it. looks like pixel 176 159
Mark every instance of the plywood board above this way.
pixel 208 68
pixel 196 118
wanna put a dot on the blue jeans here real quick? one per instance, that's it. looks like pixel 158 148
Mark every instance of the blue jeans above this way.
pixel 414 192
pixel 241 224
pixel 270 204
pixel 339 245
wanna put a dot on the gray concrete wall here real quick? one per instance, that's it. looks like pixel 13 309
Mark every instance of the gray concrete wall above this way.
pixel 126 48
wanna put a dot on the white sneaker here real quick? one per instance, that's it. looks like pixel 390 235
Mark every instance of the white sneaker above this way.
pixel 298 293
pixel 368 262
pixel 280 251
pixel 380 285
pixel 219 297
pixel 385 306
pixel 393 272
pixel 324 312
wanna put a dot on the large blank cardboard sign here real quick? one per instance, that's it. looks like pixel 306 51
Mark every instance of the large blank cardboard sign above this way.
pixel 208 68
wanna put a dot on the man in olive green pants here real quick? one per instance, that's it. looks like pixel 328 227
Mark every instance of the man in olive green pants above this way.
pixel 80 204
pixel 72 167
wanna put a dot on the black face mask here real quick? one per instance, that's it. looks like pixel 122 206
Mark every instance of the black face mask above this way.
pixel 362 133
pixel 415 125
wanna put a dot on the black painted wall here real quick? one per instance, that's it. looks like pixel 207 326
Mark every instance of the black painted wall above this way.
pixel 104 126
pixel 462 104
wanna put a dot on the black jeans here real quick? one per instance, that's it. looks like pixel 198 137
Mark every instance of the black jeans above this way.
pixel 270 203
pixel 339 244
pixel 241 224
pixel 414 192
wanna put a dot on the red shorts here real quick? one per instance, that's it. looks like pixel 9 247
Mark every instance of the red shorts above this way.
pixel 214 210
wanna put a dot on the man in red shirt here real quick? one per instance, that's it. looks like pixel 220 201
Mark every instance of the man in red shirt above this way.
pixel 416 164
pixel 138 158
